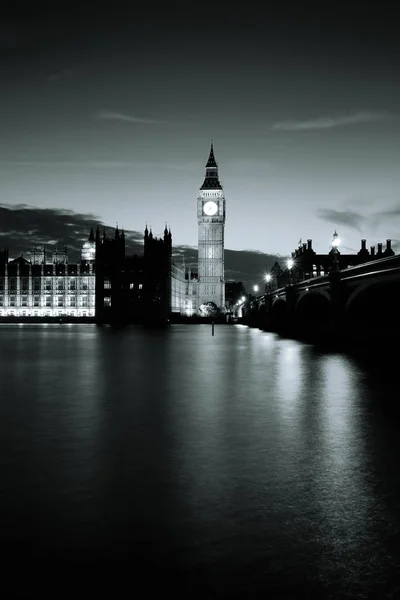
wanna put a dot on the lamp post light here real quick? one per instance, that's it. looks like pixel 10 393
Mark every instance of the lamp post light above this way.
pixel 290 267
pixel 255 288
pixel 335 245
pixel 268 280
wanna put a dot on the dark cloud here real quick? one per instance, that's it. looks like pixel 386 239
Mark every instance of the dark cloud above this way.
pixel 23 227
pixel 346 218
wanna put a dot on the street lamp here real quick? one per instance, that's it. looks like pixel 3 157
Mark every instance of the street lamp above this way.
pixel 268 280
pixel 255 288
pixel 335 241
pixel 290 266
pixel 335 245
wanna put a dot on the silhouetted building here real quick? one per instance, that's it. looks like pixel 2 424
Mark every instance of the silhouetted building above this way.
pixel 133 289
pixel 308 264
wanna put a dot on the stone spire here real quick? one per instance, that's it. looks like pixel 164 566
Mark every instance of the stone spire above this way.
pixel 211 181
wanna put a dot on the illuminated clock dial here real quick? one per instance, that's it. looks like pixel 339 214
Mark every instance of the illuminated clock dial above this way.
pixel 210 208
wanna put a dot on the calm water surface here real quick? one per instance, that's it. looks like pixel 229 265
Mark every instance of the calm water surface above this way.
pixel 239 465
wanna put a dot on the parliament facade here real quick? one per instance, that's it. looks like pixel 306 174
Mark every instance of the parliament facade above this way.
pixel 106 285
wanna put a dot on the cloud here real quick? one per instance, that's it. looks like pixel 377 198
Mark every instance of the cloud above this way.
pixel 100 164
pixel 329 122
pixel 346 218
pixel 55 164
pixel 24 226
pixel 63 73
pixel 117 116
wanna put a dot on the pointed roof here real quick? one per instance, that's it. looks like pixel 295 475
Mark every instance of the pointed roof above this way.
pixel 211 163
pixel 21 260
pixel 91 236
pixel 211 181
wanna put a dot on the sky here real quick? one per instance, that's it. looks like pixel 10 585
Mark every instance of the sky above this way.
pixel 107 113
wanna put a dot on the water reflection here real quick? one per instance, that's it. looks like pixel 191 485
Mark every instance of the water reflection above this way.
pixel 242 452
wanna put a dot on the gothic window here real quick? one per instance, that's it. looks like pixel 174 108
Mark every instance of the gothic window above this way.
pixel 60 284
pixel 13 284
pixel 107 284
pixel 36 284
pixel 25 285
pixel 72 283
pixel 48 284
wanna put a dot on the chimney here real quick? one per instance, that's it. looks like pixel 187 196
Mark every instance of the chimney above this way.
pixel 309 242
pixel 372 250
pixel 363 244
pixel 388 245
pixel 305 247
pixel 379 249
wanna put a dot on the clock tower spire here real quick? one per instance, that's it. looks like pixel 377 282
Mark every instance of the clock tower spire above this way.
pixel 211 225
pixel 211 181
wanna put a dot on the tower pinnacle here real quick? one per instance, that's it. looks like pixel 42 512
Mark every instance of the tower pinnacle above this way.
pixel 211 181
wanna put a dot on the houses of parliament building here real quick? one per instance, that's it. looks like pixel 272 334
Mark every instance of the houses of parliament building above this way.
pixel 106 285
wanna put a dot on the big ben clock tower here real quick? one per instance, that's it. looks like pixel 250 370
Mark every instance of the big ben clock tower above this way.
pixel 211 222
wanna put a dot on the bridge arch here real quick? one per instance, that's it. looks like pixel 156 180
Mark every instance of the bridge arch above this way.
pixel 375 303
pixel 279 312
pixel 313 307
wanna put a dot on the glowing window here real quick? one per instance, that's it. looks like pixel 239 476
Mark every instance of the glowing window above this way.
pixel 107 301
pixel 140 286
pixel 107 284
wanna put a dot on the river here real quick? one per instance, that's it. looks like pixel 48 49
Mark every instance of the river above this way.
pixel 234 465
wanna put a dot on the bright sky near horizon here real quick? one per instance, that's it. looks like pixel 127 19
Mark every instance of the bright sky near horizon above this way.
pixel 112 112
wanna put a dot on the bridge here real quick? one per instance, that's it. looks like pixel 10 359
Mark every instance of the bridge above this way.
pixel 360 302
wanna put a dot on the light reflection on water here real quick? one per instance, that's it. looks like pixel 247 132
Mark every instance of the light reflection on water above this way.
pixel 241 454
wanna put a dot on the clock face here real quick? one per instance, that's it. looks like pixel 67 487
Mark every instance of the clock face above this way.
pixel 210 208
